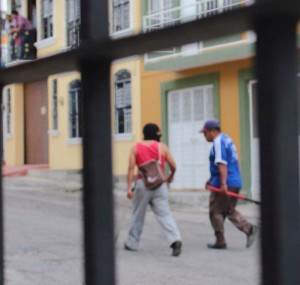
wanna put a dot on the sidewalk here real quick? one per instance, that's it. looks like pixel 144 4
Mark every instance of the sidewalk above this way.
pixel 21 170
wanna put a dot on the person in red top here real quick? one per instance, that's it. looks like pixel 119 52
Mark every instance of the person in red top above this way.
pixel 22 29
pixel 158 200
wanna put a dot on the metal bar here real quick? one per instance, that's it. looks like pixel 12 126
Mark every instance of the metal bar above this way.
pixel 1 195
pixel 278 128
pixel 97 153
pixel 98 200
pixel 100 47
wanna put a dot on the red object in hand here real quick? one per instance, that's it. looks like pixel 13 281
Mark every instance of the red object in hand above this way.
pixel 232 194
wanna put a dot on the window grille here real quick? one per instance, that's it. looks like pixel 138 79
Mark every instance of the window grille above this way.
pixel 54 106
pixel 123 102
pixel 73 23
pixel 75 109
pixel 121 15
pixel 46 19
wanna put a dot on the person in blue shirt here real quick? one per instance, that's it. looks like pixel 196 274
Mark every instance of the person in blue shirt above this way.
pixel 224 174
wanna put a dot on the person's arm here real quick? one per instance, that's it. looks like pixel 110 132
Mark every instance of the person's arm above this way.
pixel 130 172
pixel 221 162
pixel 223 177
pixel 171 162
pixel 19 24
pixel 207 183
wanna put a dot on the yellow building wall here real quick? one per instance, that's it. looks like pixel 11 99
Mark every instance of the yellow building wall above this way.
pixel 228 92
pixel 62 153
pixel 137 17
pixel 122 145
pixel 14 142
pixel 59 37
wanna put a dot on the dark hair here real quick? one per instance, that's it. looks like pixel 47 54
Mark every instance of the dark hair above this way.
pixel 15 12
pixel 150 132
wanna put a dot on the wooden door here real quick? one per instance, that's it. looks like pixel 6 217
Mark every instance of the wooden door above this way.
pixel 36 123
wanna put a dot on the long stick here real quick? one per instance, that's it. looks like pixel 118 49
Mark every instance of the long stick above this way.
pixel 236 195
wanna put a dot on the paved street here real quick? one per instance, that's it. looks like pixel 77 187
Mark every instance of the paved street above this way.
pixel 43 243
pixel 197 265
pixel 43 234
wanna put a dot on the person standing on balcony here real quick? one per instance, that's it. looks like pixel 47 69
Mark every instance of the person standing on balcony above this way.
pixel 9 26
pixel 142 152
pixel 224 174
pixel 23 28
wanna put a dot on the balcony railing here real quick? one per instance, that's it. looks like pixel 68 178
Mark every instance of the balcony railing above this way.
pixel 21 47
pixel 185 13
pixel 169 17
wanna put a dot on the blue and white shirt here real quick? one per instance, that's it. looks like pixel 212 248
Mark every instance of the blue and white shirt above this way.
pixel 224 151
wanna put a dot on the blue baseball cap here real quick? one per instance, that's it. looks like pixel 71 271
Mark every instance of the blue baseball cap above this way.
pixel 210 124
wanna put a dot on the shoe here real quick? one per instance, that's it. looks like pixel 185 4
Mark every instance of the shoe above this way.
pixel 177 245
pixel 251 236
pixel 128 248
pixel 217 245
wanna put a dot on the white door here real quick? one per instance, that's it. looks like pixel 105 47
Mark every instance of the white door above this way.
pixel 187 111
pixel 254 141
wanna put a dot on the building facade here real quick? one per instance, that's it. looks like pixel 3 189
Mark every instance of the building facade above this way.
pixel 178 88
pixel 43 120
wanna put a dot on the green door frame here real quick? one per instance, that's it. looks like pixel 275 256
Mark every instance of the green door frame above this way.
pixel 245 76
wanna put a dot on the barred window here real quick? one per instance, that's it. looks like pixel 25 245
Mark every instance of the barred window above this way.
pixel 46 19
pixel 75 109
pixel 73 23
pixel 123 102
pixel 120 15
pixel 54 106
pixel 8 111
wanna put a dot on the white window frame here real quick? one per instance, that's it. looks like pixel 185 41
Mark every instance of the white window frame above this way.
pixel 123 32
pixel 78 124
pixel 125 104
pixel 66 24
pixel 44 42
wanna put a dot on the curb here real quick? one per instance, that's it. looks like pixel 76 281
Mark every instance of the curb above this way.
pixel 22 170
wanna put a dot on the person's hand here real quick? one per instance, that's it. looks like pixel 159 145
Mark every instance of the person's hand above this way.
pixel 129 193
pixel 170 178
pixel 224 189
pixel 207 184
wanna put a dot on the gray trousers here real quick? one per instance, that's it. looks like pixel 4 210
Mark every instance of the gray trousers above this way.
pixel 159 202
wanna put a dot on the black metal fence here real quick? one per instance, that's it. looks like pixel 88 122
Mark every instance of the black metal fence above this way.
pixel 275 23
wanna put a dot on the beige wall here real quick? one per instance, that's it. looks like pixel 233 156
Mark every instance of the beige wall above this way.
pixel 63 154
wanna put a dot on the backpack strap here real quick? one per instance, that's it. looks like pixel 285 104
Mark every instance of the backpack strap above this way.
pixel 159 153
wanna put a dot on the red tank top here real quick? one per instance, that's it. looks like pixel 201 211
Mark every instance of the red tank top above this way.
pixel 144 153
